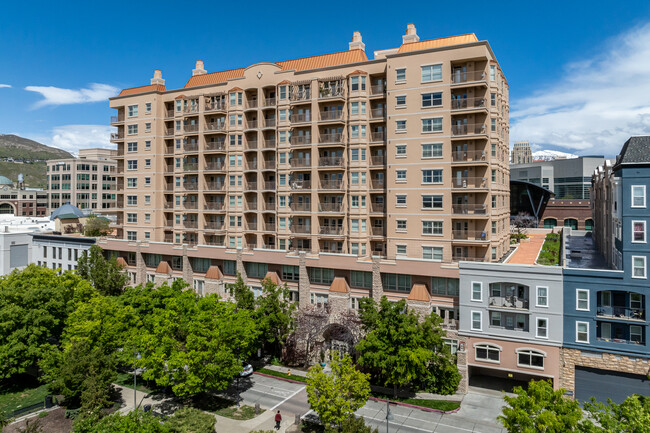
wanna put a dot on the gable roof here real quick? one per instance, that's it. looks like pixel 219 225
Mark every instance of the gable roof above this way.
pixel 143 89
pixel 273 276
pixel 419 292
pixel 163 268
pixel 121 262
pixel 66 211
pixel 437 43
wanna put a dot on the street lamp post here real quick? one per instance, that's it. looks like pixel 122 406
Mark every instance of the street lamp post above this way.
pixel 389 416
pixel 136 356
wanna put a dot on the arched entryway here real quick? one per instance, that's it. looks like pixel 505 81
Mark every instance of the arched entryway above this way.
pixel 589 224
pixel 7 208
pixel 338 338
pixel 571 222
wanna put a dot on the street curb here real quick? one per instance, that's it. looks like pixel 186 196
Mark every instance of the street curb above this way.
pixel 413 406
pixel 279 378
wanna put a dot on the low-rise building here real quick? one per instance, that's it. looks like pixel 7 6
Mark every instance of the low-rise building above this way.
pixel 17 200
pixel 15 240
pixel 56 251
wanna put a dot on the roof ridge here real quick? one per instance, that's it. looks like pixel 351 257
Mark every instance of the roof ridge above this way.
pixel 317 55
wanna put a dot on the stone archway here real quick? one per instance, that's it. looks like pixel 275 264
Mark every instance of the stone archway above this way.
pixel 339 338
pixel 7 208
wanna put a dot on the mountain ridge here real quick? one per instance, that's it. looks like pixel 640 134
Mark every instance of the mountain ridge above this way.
pixel 16 147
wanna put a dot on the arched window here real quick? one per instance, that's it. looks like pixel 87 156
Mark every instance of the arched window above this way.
pixel 549 223
pixel 530 358
pixel 487 352
pixel 571 222
pixel 589 224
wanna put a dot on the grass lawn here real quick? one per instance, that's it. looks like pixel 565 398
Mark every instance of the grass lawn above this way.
pixel 550 253
pixel 239 413
pixel 222 406
pixel 283 375
pixel 20 393
pixel 126 379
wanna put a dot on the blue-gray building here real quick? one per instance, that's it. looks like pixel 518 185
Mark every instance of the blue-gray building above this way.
pixel 605 351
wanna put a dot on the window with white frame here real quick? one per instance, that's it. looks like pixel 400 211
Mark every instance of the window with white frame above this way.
pixel 131 236
pixel 431 73
pixel 432 125
pixel 147 108
pixel 132 164
pixel 542 327
pixel 477 321
pixel 493 72
pixel 432 99
pixel 400 150
pixel 131 182
pixel 636 333
pixel 530 358
pixel 487 352
pixel 400 74
pixel 432 228
pixel 401 250
pixel 133 110
pixel 431 202
pixel 400 225
pixel 400 200
pixel 132 147
pixel 131 217
pixel 400 125
pixel 477 291
pixel 432 176
pixel 638 232
pixel 432 150
pixel 432 253
pixel 400 101
pixel 582 300
pixel 638 196
pixel 400 175
pixel 132 129
pixel 582 332
pixel 147 127
pixel 542 296
pixel 638 267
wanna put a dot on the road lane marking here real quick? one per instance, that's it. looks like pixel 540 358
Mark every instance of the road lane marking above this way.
pixel 288 398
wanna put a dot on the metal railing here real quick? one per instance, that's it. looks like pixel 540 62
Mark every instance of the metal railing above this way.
pixel 469 182
pixel 269 143
pixel 193 147
pixel 469 129
pixel 331 115
pixel 331 230
pixel 191 166
pixel 216 145
pixel 216 106
pixel 301 184
pixel 190 205
pixel 468 209
pixel 468 258
pixel 269 164
pixel 378 136
pixel 251 124
pixel 300 118
pixel 336 137
pixel 378 160
pixel 250 186
pixel 621 312
pixel 217 205
pixel 215 165
pixel 251 103
pixel 192 186
pixel 377 113
pixel 251 144
pixel 469 235
pixel 377 89
pixel 331 183
pixel 269 102
pixel 508 302
pixel 458 77
pixel 330 207
pixel 191 128
pixel 300 162
pixel 377 207
pixel 118 118
pixel 465 103
pixel 215 186
pixel 215 126
pixel 468 156
pixel 330 161
pixel 269 123
pixel 269 185
pixel 301 207
pixel 214 226
pixel 300 139
pixel 300 228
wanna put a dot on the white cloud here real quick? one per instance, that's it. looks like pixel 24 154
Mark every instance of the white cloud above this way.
pixel 75 137
pixel 58 96
pixel 5 86
pixel 598 104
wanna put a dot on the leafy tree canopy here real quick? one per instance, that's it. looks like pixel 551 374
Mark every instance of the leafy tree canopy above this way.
pixel 274 314
pixel 244 297
pixel 105 275
pixel 191 420
pixel 96 226
pixel 133 422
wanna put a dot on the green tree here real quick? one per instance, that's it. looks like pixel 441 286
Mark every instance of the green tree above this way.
pixel 540 409
pixel 191 420
pixel 244 296
pixel 34 304
pixel 631 416
pixel 105 275
pixel 96 226
pixel 82 374
pixel 400 349
pixel 353 425
pixel 274 315
pixel 133 422
pixel 337 395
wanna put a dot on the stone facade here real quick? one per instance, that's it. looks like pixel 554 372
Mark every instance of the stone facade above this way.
pixel 570 358
pixel 240 266
pixel 188 274
pixel 377 285
pixel 140 268
pixel 303 281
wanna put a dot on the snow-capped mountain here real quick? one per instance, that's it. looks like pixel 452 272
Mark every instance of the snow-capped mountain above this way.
pixel 550 155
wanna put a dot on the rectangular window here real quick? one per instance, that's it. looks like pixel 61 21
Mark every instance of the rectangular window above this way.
pixel 396 282
pixel 401 250
pixel 400 150
pixel 493 99
pixel 431 73
pixel 401 225
pixel 636 333
pixel 132 164
pixel 477 291
pixel 432 150
pixel 582 332
pixel 432 176
pixel 132 129
pixel 400 125
pixel 638 231
pixel 354 108
pixel 432 99
pixel 400 175
pixel 132 200
pixel 638 196
pixel 432 227
pixel 361 279
pixel 132 147
pixel 400 200
pixel 400 101
pixel 542 296
pixel 432 202
pixel 493 72
pixel 638 267
pixel 476 321
pixel 132 236
pixel 432 125
pixel 400 74
pixel 131 182
pixel 131 218
pixel 582 300
pixel 432 253
pixel 133 110
pixel 542 328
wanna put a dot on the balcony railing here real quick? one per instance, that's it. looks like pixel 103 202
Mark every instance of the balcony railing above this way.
pixel 251 226
pixel 269 123
pixel 621 313
pixel 168 205
pixel 378 160
pixel 269 143
pixel 465 103
pixel 117 119
pixel 214 242
pixel 300 139
pixel 331 92
pixel 378 231
pixel 468 156
pixel 251 165
pixel 216 145
pixel 331 138
pixel 301 184
pixel 469 182
pixel 193 147
pixel 331 115
pixel 251 124
pixel 469 235
pixel 190 205
pixel 269 164
pixel 252 103
pixel 191 108
pixel 269 185
pixel 191 166
pixel 300 118
pixel 377 207
pixel 269 227
pixel 377 113
pixel 216 205
pixel 508 302
pixel 458 77
pixel 214 226
pixel 301 207
pixel 169 113
pixel 304 95
pixel 117 136
pixel 331 230
pixel 269 102
pixel 190 224
pixel 191 186
pixel 251 205
pixel 216 106
pixel 215 126
pixel 377 184
pixel 330 161
pixel 377 89
pixel 251 144
pixel 168 187
pixel 330 207
pixel 191 128
pixel 378 136
pixel 215 165
pixel 250 186
pixel 469 129
pixel 468 258
pixel 215 186
pixel 269 206
pixel 331 183
pixel 169 132
pixel 300 162
pixel 300 228
pixel 469 209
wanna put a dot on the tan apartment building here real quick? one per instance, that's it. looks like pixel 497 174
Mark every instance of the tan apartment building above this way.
pixel 87 182
pixel 403 155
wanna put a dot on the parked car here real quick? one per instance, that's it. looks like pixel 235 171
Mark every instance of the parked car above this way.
pixel 247 369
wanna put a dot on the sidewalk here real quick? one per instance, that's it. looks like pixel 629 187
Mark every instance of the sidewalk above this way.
pixel 265 421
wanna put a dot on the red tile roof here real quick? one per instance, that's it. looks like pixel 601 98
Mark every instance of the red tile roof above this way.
pixel 143 89
pixel 273 276
pixel 121 262
pixel 214 273
pixel 437 43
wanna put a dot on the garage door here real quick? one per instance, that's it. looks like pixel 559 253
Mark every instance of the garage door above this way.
pixel 604 384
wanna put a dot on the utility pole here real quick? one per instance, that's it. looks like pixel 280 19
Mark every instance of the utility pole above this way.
pixel 389 416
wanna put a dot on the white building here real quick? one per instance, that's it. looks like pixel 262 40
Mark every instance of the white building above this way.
pixel 16 240
pixel 57 251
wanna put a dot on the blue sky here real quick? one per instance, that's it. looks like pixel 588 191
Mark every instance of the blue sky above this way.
pixel 579 72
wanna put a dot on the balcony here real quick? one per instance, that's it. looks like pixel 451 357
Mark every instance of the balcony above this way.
pixel 270 102
pixel 331 230
pixel 468 129
pixel 301 184
pixel 331 184
pixel 168 187
pixel 467 103
pixel 251 144
pixel 378 113
pixel 251 104
pixel 300 228
pixel 215 186
pixel 191 109
pixel 337 91
pixel 191 148
pixel 215 166
pixel 191 186
pixel 378 160
pixel 169 132
pixel 269 227
pixel 216 145
pixel 168 205
pixel 335 138
pixel 268 164
pixel 269 143
pixel 469 235
pixel 468 156
pixel 300 140
pixel 251 165
pixel 330 161
pixel 214 226
pixel 300 118
pixel 269 206
pixel 301 207
pixel 377 207
pixel 469 209
pixel 169 150
pixel 250 186
pixel 216 106
pixel 217 205
pixel 461 77
pixel 377 136
pixel 191 166
pixel 117 119
pixel 624 313
pixel 251 124
pixel 251 227
pixel 331 115
pixel 191 128
pixel 469 182
pixel 190 205
pixel 190 224
pixel 378 231
pixel 117 136
pixel 252 206
pixel 215 126
pixel 377 183
pixel 330 207
pixel 300 162
pixel 269 186
pixel 301 95
pixel 169 114
pixel 377 89
pixel 468 258
pixel 269 123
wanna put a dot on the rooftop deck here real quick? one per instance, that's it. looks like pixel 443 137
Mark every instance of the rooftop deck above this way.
pixel 581 252
pixel 527 252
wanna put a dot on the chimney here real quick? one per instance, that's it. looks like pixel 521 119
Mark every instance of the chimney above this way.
pixel 411 35
pixel 357 43
pixel 157 78
pixel 199 68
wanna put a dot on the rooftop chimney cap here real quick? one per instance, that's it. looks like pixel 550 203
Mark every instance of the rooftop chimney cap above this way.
pixel 411 34
pixel 157 77
pixel 357 42
pixel 199 70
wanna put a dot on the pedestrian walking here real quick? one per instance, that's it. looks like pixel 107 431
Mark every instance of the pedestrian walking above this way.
pixel 278 420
